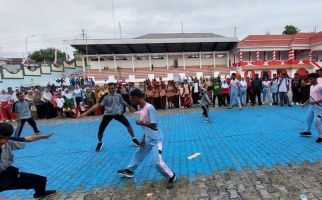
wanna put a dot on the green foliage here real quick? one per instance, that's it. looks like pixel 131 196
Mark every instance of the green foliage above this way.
pixel 290 29
pixel 47 55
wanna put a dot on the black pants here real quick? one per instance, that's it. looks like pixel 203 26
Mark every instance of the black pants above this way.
pixel 296 98
pixel 259 98
pixel 195 98
pixel 205 111
pixel 28 181
pixel 249 96
pixel 22 122
pixel 106 120
pixel 225 98
pixel 219 100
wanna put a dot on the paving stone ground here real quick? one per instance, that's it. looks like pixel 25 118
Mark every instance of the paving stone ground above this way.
pixel 255 153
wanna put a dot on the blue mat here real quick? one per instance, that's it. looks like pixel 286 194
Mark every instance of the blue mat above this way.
pixel 236 139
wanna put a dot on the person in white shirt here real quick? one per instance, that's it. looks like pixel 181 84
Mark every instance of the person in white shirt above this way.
pixel 267 91
pixel 195 91
pixel 60 102
pixel 152 141
pixel 243 91
pixel 283 87
pixel 274 89
pixel 6 107
pixel 315 103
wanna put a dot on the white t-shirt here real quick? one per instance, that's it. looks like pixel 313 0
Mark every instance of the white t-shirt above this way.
pixel 234 84
pixel 266 84
pixel 148 115
pixel 320 80
pixel 196 87
pixel 283 83
pixel 60 102
pixel 316 95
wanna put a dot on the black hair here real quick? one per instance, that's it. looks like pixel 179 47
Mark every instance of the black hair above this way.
pixel 6 129
pixel 110 84
pixel 209 88
pixel 313 75
pixel 137 93
pixel 233 74
pixel 18 93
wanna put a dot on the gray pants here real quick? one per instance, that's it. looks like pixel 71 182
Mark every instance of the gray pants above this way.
pixel 153 142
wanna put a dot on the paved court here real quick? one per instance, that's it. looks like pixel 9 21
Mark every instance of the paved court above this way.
pixel 236 139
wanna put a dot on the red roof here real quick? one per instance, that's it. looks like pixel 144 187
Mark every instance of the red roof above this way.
pixel 281 40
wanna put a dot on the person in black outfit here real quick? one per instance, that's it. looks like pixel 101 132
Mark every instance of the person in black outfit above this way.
pixel 257 90
pixel 10 177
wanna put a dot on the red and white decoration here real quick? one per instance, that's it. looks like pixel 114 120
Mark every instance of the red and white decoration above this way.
pixel 310 56
pixel 257 55
pixel 274 55
pixel 240 56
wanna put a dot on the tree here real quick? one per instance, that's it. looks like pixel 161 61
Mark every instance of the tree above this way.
pixel 290 29
pixel 77 55
pixel 47 55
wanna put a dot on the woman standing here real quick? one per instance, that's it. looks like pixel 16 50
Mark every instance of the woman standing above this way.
pixel 156 96
pixel 40 104
pixel 49 111
pixel 169 93
pixel 30 98
pixel 163 98
pixel 243 91
pixel 225 93
pixel 149 94
pixel 267 91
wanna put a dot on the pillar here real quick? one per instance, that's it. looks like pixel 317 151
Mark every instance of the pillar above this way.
pixel 228 59
pixel 83 60
pixel 200 64
pixel 184 61
pixel 150 62
pixel 133 68
pixel 99 63
pixel 214 59
pixel 167 58
pixel 114 58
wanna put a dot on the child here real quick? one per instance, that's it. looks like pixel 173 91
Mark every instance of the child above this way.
pixel 187 102
pixel 315 103
pixel 205 101
pixel 21 109
pixel 60 101
pixel 10 177
pixel 152 140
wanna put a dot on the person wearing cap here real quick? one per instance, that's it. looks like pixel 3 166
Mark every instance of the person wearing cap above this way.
pixel 21 109
pixel 113 109
pixel 315 106
pixel 10 177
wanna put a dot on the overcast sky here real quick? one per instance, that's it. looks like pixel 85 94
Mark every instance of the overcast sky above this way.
pixel 53 21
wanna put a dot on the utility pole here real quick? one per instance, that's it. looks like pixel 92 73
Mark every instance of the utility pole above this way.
pixel 235 31
pixel 84 37
pixel 0 52
pixel 120 29
pixel 113 13
pixel 181 26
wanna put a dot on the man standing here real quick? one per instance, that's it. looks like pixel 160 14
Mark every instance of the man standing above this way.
pixel 315 106
pixel 283 87
pixel 10 177
pixel 21 109
pixel 296 89
pixel 257 90
pixel 152 140
pixel 113 106
pixel 274 87
pixel 195 91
